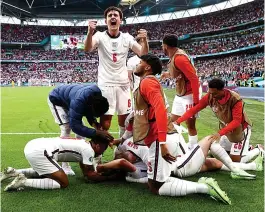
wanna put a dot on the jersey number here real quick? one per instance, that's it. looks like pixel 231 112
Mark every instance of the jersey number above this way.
pixel 189 106
pixel 114 57
pixel 238 146
pixel 129 103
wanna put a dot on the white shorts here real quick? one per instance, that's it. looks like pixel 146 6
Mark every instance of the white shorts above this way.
pixel 59 113
pixel 158 168
pixel 237 148
pixel 119 98
pixel 141 171
pixel 41 162
pixel 183 103
pixel 190 163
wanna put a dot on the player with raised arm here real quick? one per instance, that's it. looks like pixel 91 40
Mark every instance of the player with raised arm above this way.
pixel 151 126
pixel 43 154
pixel 235 126
pixel 113 47
pixel 187 84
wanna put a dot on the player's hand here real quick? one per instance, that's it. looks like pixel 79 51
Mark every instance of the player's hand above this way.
pixel 166 155
pixel 92 26
pixel 97 126
pixel 178 127
pixel 117 141
pixel 142 35
pixel 215 137
pixel 101 134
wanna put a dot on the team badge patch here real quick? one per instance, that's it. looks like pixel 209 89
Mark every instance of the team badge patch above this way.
pixel 114 46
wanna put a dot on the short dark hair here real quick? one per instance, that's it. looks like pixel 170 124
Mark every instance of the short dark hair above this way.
pixel 115 9
pixel 154 62
pixel 104 143
pixel 171 40
pixel 100 105
pixel 216 83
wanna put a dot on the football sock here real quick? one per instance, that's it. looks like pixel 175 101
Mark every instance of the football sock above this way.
pixel 245 166
pixel 45 183
pixel 28 172
pixel 193 139
pixel 219 153
pixel 65 130
pixel 177 187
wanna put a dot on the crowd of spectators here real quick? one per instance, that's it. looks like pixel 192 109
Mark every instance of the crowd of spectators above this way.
pixel 196 47
pixel 56 72
pixel 234 69
pixel 208 22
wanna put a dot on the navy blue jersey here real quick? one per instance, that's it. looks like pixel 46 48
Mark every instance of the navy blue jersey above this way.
pixel 76 98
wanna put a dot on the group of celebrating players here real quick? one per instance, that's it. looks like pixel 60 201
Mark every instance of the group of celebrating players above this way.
pixel 150 148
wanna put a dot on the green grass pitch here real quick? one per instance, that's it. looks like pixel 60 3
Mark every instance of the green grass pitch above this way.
pixel 25 110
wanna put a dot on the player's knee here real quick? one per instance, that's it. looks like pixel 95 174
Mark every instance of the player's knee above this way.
pixel 64 183
pixel 235 158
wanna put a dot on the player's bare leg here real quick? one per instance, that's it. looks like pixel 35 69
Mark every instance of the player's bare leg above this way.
pixel 52 181
pixel 121 122
pixel 105 121
pixel 120 164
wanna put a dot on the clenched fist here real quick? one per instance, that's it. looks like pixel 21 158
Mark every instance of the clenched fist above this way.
pixel 142 34
pixel 92 26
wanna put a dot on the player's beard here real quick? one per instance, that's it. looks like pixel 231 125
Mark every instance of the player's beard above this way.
pixel 139 72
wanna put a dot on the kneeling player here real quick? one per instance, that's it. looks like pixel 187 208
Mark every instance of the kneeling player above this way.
pixel 43 154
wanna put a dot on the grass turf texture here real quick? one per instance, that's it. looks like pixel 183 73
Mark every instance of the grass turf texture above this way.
pixel 25 110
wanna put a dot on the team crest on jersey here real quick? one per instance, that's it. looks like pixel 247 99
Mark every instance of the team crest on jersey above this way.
pixel 114 46
pixel 91 159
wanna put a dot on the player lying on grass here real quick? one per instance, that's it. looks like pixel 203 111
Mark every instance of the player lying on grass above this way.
pixel 191 162
pixel 70 103
pixel 43 154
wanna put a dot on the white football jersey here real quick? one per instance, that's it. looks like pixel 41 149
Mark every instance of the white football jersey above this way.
pixel 131 66
pixel 113 52
pixel 63 150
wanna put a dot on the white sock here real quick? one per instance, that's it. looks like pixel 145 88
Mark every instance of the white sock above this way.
pixel 139 180
pixel 28 172
pixel 65 130
pixel 45 183
pixel 193 139
pixel 250 155
pixel 245 166
pixel 219 153
pixel 177 187
pixel 121 131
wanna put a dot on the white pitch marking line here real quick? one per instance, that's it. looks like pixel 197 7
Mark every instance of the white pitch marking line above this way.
pixel 40 133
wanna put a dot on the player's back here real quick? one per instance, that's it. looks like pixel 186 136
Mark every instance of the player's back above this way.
pixel 62 95
pixel 113 51
pixel 61 149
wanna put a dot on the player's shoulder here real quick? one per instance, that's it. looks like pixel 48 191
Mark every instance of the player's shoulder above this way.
pixel 148 82
pixel 126 35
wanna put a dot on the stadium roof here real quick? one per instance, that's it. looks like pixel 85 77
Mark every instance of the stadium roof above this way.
pixel 83 9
